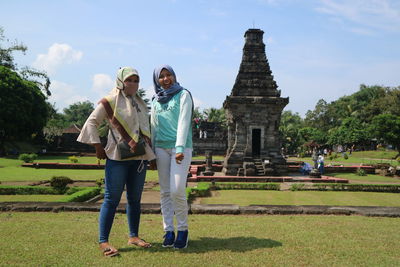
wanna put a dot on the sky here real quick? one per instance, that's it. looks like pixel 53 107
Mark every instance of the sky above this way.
pixel 317 49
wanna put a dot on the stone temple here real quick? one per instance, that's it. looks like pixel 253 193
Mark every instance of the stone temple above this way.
pixel 253 111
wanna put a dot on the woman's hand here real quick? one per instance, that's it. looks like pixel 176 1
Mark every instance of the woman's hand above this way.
pixel 100 152
pixel 179 157
pixel 153 165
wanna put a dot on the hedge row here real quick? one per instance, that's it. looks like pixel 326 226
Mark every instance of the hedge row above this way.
pixel 246 186
pixel 27 190
pixel 389 188
pixel 203 189
pixel 73 194
pixel 84 194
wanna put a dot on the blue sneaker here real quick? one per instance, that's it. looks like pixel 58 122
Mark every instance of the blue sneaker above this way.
pixel 182 239
pixel 169 239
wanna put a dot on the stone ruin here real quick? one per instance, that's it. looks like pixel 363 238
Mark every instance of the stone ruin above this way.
pixel 253 111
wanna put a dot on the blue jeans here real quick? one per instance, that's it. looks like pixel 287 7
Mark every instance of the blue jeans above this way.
pixel 119 174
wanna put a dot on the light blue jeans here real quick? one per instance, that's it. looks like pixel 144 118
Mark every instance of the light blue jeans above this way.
pixel 131 173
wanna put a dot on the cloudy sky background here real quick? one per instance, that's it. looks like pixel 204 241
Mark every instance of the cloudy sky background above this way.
pixel 316 48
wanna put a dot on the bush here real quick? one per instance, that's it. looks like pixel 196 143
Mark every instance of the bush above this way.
pixel 345 156
pixel 73 159
pixel 100 182
pixel 297 187
pixel 387 188
pixel 27 190
pixel 246 186
pixel 361 172
pixel 202 190
pixel 59 183
pixel 82 195
pixel 28 158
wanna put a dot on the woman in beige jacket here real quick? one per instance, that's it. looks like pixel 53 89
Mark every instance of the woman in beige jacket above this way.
pixel 128 118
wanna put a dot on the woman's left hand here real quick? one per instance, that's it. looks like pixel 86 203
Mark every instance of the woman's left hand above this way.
pixel 179 157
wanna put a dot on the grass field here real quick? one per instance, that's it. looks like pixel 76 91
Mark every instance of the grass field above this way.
pixel 30 198
pixel 11 170
pixel 69 239
pixel 260 197
pixel 370 178
pixel 359 157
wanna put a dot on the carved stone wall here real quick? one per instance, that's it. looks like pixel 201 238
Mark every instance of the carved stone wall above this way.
pixel 253 110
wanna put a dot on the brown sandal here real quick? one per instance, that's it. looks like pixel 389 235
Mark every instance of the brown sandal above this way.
pixel 109 252
pixel 140 243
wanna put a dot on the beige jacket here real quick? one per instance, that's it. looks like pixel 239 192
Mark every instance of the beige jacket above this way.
pixel 89 135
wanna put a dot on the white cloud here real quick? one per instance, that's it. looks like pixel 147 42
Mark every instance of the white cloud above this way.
pixel 372 14
pixel 64 94
pixel 57 55
pixel 102 84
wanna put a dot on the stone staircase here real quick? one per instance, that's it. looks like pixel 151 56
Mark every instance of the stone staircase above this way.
pixel 259 167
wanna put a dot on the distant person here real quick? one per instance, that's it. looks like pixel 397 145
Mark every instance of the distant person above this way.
pixel 128 118
pixel 305 168
pixel 171 114
pixel 320 162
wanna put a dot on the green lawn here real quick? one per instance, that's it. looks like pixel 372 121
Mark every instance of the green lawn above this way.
pixel 359 157
pixel 11 170
pixel 31 198
pixel 366 179
pixel 69 239
pixel 261 197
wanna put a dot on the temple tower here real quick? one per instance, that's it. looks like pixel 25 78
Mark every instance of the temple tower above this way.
pixel 253 111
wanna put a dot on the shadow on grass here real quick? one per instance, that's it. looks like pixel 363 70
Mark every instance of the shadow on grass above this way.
pixel 207 244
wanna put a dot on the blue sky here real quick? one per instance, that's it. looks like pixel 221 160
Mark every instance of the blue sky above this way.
pixel 316 48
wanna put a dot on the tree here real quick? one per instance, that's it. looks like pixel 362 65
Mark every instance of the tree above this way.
pixel 320 117
pixel 386 127
pixel 23 107
pixel 215 115
pixel 311 134
pixel 6 54
pixel 77 113
pixel 142 93
pixel 55 125
pixel 290 131
pixel 27 73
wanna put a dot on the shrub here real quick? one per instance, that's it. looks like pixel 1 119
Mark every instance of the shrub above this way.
pixel 345 156
pixel 73 159
pixel 297 187
pixel 82 195
pixel 100 182
pixel 246 186
pixel 202 190
pixel 388 188
pixel 27 158
pixel 27 190
pixel 361 172
pixel 59 183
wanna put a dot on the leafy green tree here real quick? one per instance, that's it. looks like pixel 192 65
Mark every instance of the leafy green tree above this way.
pixel 310 134
pixel 290 131
pixel 40 78
pixel 320 117
pixel 215 115
pixel 142 93
pixel 351 131
pixel 77 113
pixel 386 127
pixel 198 113
pixel 23 107
pixel 55 125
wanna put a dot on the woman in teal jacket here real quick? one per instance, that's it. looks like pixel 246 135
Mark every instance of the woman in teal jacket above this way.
pixel 171 124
